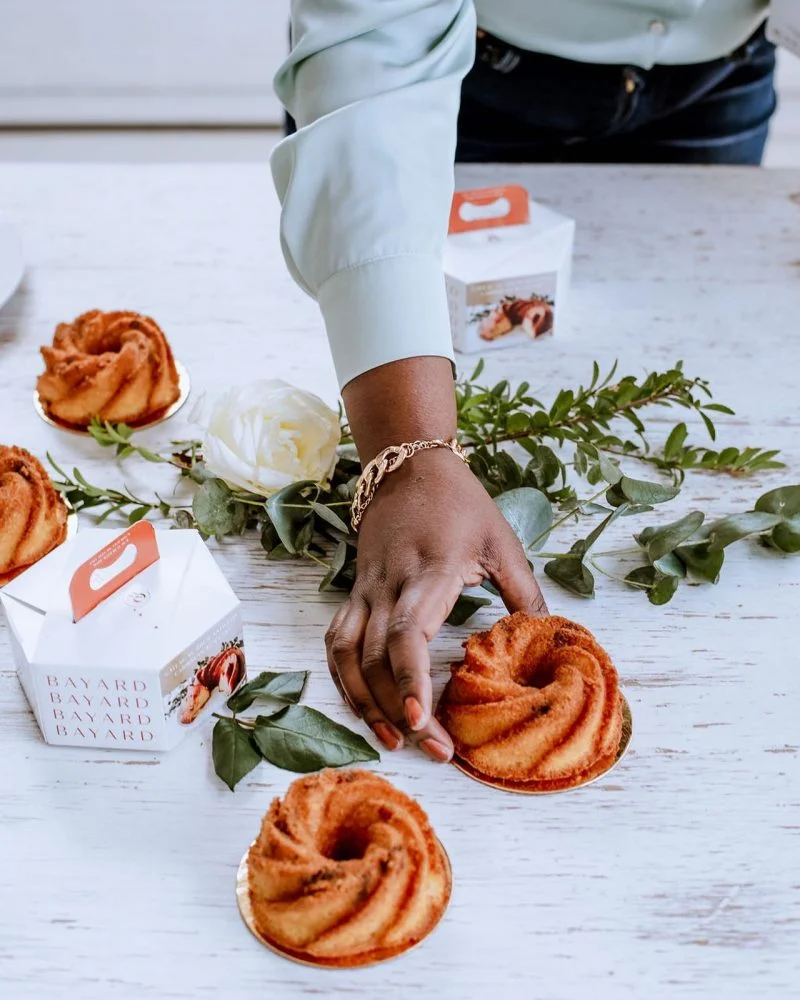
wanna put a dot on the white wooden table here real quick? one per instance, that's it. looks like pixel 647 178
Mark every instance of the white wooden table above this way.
pixel 676 876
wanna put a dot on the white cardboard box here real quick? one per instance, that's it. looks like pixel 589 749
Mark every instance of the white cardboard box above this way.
pixel 506 282
pixel 139 670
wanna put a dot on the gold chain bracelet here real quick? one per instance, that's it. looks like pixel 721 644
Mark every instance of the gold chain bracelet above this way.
pixel 389 460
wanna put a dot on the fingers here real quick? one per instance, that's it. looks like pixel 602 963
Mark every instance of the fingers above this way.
pixel 512 576
pixel 376 668
pixel 418 615
pixel 343 644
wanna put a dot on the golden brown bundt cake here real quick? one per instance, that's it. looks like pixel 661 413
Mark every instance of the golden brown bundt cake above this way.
pixel 346 871
pixel 535 705
pixel 33 516
pixel 114 365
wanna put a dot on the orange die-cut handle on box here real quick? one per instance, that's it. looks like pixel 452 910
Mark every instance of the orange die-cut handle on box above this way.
pixel 485 208
pixel 134 550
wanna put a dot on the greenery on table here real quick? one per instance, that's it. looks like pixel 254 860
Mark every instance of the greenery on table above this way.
pixel 292 736
pixel 528 456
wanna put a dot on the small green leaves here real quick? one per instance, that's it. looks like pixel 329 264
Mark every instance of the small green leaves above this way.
pixel 286 685
pixel 784 501
pixel 301 739
pixel 233 752
pixel 215 510
pixel 701 562
pixel 529 513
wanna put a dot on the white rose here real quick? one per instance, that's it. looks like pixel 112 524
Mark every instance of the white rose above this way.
pixel 266 435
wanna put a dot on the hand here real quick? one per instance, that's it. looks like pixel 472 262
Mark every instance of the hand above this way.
pixel 430 530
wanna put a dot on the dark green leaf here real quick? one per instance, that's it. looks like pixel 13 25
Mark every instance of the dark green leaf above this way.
pixel 670 565
pixel 215 510
pixel 675 441
pixel 701 561
pixel 329 515
pixel 784 501
pixel 302 739
pixel 137 514
pixel 639 491
pixel 289 511
pixel 719 408
pixel 712 433
pixel 730 529
pixel 642 577
pixel 465 607
pixel 478 369
pixel 659 541
pixel 570 573
pixel 544 467
pixel 341 575
pixel 283 685
pixel 663 589
pixel 233 752
pixel 529 513
pixel 786 535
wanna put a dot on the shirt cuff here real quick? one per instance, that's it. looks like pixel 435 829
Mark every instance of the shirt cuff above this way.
pixel 386 310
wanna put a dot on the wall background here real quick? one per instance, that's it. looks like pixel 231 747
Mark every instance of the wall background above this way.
pixel 183 64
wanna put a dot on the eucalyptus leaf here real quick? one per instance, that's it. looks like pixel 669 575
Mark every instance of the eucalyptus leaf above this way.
pixel 341 575
pixel 329 515
pixel 544 467
pixel 215 510
pixel 659 541
pixel 284 685
pixel 784 501
pixel 302 739
pixel 609 469
pixel 529 513
pixel 663 589
pixel 571 574
pixel 786 535
pixel 731 529
pixel 465 607
pixel 640 491
pixel 290 513
pixel 670 565
pixel 233 752
pixel 701 562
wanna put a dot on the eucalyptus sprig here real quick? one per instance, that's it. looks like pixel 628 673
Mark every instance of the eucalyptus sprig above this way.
pixel 292 736
pixel 528 455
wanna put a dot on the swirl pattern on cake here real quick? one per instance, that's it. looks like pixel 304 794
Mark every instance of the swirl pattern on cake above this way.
pixel 346 871
pixel 116 366
pixel 33 516
pixel 535 705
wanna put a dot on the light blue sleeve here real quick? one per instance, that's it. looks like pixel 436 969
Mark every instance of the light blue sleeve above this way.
pixel 367 180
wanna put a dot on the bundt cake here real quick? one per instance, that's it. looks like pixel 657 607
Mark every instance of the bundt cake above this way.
pixel 114 365
pixel 33 515
pixel 533 316
pixel 346 871
pixel 534 706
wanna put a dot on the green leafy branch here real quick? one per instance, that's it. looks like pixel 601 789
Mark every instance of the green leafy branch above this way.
pixel 310 520
pixel 294 737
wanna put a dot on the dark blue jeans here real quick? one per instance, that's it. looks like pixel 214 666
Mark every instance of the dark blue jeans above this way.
pixel 522 107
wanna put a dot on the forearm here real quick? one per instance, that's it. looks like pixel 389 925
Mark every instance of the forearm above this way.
pixel 402 401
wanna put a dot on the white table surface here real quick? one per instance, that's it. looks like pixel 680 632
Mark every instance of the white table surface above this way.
pixel 678 875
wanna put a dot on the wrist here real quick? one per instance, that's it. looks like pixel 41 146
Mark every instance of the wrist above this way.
pixel 408 400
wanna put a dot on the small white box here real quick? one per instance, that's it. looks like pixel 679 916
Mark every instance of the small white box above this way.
pixel 507 280
pixel 139 669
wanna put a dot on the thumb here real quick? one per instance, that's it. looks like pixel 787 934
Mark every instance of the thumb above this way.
pixel 514 579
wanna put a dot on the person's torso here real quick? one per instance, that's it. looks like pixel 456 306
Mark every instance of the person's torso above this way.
pixel 621 32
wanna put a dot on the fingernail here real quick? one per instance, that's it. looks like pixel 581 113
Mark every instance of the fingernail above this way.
pixel 390 738
pixel 414 714
pixel 436 750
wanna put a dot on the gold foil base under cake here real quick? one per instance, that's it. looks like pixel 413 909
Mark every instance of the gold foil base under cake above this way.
pixel 373 957
pixel 530 787
pixel 184 385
